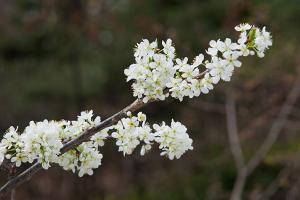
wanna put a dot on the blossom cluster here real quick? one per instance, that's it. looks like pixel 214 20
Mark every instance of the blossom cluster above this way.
pixel 131 131
pixel 86 157
pixel 42 141
pixel 157 73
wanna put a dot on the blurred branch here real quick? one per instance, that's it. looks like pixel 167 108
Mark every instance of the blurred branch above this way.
pixel 233 133
pixel 244 170
pixel 283 175
pixel 276 126
pixel 28 173
pixel 235 148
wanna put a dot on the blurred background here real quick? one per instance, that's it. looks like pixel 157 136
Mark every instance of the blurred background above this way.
pixel 59 57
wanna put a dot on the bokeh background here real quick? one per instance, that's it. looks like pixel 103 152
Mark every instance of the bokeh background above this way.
pixel 59 57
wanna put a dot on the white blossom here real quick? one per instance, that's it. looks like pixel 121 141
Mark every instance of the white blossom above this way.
pixel 168 49
pixel 215 46
pixel 243 27
pixel 145 49
pixel 206 84
pixel 263 41
pixel 198 60
pixel 219 69
pixel 173 140
pixel 232 59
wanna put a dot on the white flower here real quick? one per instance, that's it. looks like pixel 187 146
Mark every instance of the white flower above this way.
pixel 145 134
pixel 19 158
pixel 206 84
pixel 242 38
pixel 141 117
pixel 189 71
pixel 168 49
pixel 219 69
pixel 145 49
pixel 181 63
pixel 85 116
pixel 195 88
pixel 176 87
pixel 243 27
pixel 198 60
pixel 214 46
pixel 232 60
pixel 263 40
pixel 227 46
pixel 98 138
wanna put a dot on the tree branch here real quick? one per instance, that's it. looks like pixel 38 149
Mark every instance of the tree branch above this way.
pixel 244 170
pixel 85 136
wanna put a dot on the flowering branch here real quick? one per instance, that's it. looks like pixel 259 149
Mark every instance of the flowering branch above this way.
pixel 156 74
pixel 27 174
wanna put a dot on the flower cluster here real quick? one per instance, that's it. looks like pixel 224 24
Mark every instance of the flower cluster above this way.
pixel 39 141
pixel 42 141
pixel 11 147
pixel 132 131
pixel 173 140
pixel 86 157
pixel 158 74
pixel 152 70
pixel 129 132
